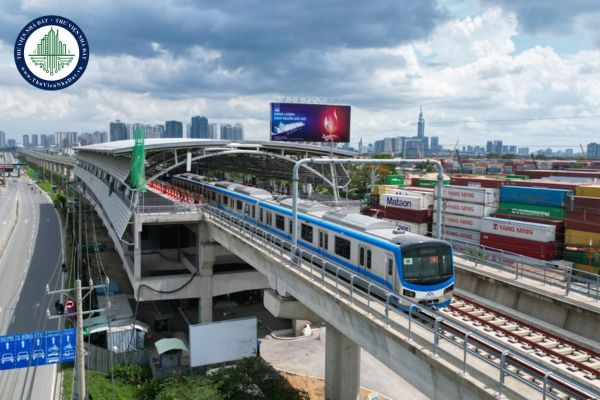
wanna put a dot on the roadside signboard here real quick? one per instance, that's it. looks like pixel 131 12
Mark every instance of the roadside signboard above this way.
pixel 37 348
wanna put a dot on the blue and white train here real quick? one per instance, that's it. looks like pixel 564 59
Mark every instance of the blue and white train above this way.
pixel 411 265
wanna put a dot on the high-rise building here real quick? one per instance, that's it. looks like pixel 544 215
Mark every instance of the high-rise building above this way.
pixel 435 144
pixel 26 141
pixel 232 132
pixel 593 150
pixel 34 140
pixel 569 152
pixel 497 147
pixel 173 129
pixel 2 139
pixel 213 131
pixel 44 140
pixel 421 125
pixel 118 131
pixel 489 147
pixel 523 151
pixel 65 140
pixel 11 143
pixel 199 128
pixel 150 131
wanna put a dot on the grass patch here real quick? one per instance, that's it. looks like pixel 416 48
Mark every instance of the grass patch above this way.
pixel 98 384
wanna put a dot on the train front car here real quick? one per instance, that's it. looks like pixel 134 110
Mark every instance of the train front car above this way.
pixel 426 270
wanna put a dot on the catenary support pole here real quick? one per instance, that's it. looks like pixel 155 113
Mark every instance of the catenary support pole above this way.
pixel 373 161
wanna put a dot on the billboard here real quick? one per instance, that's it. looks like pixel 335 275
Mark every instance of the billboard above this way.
pixel 294 122
pixel 223 341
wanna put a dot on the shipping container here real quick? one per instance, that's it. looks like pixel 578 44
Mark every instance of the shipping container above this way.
pixel 470 194
pixel 374 199
pixel 519 229
pixel 393 180
pixel 468 209
pixel 476 182
pixel 559 224
pixel 460 221
pixel 589 225
pixel 534 196
pixel 427 183
pixel 419 229
pixel 405 202
pixel 573 236
pixel 579 256
pixel 584 204
pixel 427 194
pixel 554 184
pixel 588 190
pixel 527 210
pixel 402 214
pixel 528 248
pixel 541 173
pixel 465 235
pixel 382 189
pixel 519 177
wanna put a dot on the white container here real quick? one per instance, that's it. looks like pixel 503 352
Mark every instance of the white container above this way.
pixel 519 229
pixel 404 202
pixel 459 221
pixel 419 229
pixel 468 209
pixel 465 235
pixel 470 194
pixel 426 195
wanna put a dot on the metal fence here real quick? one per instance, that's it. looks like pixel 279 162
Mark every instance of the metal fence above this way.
pixel 548 272
pixel 99 358
pixel 443 336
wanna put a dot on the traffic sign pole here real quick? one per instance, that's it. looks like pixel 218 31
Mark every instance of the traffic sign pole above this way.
pixel 80 349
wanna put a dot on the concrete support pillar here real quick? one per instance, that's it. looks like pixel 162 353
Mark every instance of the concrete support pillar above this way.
pixel 137 248
pixel 342 366
pixel 205 263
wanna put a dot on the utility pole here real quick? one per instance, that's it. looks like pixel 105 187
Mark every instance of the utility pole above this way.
pixel 79 304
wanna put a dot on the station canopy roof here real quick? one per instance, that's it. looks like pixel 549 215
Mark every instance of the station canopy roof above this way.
pixel 258 158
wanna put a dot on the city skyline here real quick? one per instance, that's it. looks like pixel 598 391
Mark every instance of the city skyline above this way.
pixel 480 69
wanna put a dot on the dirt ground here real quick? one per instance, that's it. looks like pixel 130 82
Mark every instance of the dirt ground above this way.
pixel 316 387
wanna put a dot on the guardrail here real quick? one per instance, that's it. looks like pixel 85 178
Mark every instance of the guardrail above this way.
pixel 547 272
pixel 341 283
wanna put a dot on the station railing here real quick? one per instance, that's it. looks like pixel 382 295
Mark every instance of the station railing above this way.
pixel 451 340
pixel 548 272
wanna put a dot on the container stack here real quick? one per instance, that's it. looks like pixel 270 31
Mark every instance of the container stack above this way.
pixel 411 209
pixel 533 202
pixel 462 211
pixel 519 237
pixel 582 235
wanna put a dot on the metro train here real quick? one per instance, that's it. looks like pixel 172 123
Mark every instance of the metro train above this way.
pixel 414 266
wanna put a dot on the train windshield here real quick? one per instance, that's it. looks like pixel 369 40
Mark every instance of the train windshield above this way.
pixel 427 264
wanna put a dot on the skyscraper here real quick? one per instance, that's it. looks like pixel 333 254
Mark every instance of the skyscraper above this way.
pixel 421 125
pixel 118 131
pixel 34 140
pixel 65 140
pixel 199 129
pixel 173 129
pixel 489 147
pixel 593 150
pixel 25 140
pixel 232 132
pixel 2 139
pixel 497 147
pixel 213 131
pixel 435 144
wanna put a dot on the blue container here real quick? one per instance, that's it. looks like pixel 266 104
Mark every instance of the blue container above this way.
pixel 534 196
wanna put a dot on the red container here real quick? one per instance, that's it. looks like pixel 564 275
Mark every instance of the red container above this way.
pixel 401 214
pixel 558 223
pixel 583 205
pixel 551 184
pixel 541 251
pixel 374 200
pixel 583 225
pixel 541 173
pixel 476 182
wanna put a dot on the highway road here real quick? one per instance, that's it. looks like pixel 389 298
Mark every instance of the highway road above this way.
pixel 31 260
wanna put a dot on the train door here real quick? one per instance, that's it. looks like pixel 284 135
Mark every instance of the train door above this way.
pixel 323 241
pixel 364 257
pixel 390 271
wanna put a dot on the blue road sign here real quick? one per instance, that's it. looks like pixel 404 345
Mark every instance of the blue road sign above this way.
pixel 37 348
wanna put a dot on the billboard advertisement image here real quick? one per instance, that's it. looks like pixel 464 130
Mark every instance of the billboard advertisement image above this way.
pixel 292 122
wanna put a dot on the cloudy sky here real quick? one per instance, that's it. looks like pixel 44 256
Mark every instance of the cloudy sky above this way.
pixel 525 71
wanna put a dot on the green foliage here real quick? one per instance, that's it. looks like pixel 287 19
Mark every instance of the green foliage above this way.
pixel 131 374
pixel 188 388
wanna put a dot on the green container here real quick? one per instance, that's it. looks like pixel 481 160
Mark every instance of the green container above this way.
pixel 429 183
pixel 581 257
pixel 393 180
pixel 528 210
pixel 517 177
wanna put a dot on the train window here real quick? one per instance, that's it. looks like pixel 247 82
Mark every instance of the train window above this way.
pixel 342 247
pixel 307 233
pixel 213 196
pixel 361 256
pixel 427 263
pixel 225 200
pixel 253 211
pixel 280 222
pixel 269 219
pixel 260 214
pixel 368 259
pixel 390 266
pixel 323 240
pixel 290 226
pixel 239 205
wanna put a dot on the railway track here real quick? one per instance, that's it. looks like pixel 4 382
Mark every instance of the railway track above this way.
pixel 557 353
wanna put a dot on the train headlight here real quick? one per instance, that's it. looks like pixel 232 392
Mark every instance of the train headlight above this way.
pixel 449 288
pixel 408 293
